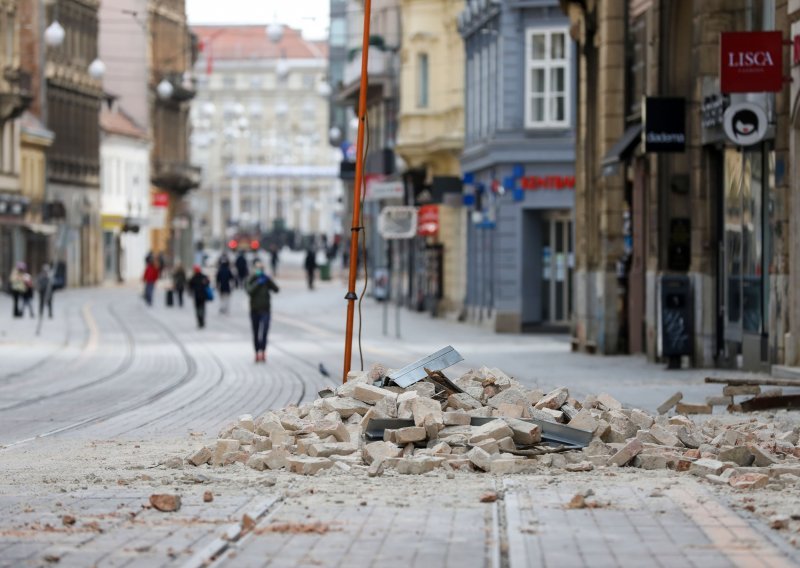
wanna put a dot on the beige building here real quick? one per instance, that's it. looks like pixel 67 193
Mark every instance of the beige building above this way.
pixel 681 252
pixel 260 129
pixel 431 124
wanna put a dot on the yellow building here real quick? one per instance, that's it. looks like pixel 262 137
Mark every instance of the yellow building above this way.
pixel 431 133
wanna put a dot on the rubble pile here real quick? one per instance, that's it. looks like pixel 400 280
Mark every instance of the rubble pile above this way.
pixel 439 431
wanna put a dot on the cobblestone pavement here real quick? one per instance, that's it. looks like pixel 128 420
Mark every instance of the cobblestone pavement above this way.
pixel 92 407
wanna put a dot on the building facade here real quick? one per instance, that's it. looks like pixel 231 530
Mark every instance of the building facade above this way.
pixel 430 141
pixel 703 229
pixel 125 195
pixel 519 164
pixel 261 131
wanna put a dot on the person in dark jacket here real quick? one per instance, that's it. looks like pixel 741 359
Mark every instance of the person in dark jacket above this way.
pixel 179 282
pixel 311 266
pixel 198 285
pixel 44 284
pixel 225 281
pixel 259 287
pixel 242 272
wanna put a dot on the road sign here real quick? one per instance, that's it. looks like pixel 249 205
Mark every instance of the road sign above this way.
pixel 398 222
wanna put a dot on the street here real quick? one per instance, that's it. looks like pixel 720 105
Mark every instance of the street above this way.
pixel 95 411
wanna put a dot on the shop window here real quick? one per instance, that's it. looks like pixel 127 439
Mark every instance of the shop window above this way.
pixel 547 78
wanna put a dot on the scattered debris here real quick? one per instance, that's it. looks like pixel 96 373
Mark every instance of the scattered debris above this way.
pixel 68 520
pixel 165 503
pixel 489 497
pixel 208 497
pixel 295 528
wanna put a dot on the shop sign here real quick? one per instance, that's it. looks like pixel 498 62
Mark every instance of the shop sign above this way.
pixel 398 222
pixel 535 183
pixel 745 124
pixel 428 220
pixel 751 62
pixel 664 124
pixel 378 187
pixel 160 199
pixel 796 50
pixel 158 210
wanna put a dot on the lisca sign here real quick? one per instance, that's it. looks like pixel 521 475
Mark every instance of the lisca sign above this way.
pixel 751 62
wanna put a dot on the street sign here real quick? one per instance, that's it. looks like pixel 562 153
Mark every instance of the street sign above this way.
pixel 398 222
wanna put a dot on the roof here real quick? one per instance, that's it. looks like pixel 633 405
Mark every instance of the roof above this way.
pixel 251 42
pixel 117 122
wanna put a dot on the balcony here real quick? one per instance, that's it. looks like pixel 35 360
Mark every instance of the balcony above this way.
pixel 378 71
pixel 179 177
pixel 15 93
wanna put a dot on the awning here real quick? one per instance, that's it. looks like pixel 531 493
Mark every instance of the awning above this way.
pixel 45 229
pixel 623 147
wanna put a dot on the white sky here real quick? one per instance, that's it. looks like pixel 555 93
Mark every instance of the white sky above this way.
pixel 309 15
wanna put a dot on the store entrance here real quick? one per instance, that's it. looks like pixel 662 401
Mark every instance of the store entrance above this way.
pixel 557 268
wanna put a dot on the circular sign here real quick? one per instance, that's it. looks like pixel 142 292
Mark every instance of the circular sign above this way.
pixel 745 124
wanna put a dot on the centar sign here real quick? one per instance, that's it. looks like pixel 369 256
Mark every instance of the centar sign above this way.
pixel 751 62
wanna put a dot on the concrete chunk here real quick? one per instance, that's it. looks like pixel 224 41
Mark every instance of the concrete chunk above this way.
pixel 626 453
pixel 740 455
pixel 706 466
pixel 664 436
pixel 456 418
pixel 372 394
pixel 511 395
pixel 524 433
pixel 307 465
pixel 686 408
pixel 608 402
pixel 426 408
pixel 670 402
pixel 247 423
pixel 739 390
pixel 553 400
pixel 201 456
pixel 496 429
pixel 344 406
pixel 378 451
pixel 224 446
pixel 410 434
pixel 326 428
pixel 480 458
pixel 326 450
pixel 463 401
pixel 584 421
pixel 762 458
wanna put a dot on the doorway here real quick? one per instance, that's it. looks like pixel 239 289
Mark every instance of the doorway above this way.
pixel 558 263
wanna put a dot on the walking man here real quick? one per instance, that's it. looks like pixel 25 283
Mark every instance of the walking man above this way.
pixel 179 282
pixel 44 283
pixel 311 266
pixel 150 278
pixel 259 287
pixel 199 285
pixel 225 280
pixel 241 269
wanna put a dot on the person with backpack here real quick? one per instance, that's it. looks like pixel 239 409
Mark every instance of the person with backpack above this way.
pixel 200 286
pixel 259 287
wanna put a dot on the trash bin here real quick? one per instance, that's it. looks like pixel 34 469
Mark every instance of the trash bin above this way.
pixel 325 271
pixel 676 317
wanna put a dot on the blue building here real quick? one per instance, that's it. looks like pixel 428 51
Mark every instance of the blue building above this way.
pixel 519 163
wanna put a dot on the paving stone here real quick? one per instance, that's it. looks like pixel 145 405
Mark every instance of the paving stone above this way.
pixel 201 456
pixel 326 450
pixel 222 447
pixel 480 458
pixel 513 395
pixel 740 455
pixel 463 401
pixel 664 436
pixel 345 406
pixel 246 422
pixel 686 408
pixel 719 400
pixel 608 402
pixel 689 438
pixel 762 458
pixel 506 410
pixel 456 418
pixel 489 445
pixel 584 420
pixel 705 466
pixel 372 394
pixel 748 481
pixel 417 465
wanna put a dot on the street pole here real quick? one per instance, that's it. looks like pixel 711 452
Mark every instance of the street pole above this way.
pixel 355 226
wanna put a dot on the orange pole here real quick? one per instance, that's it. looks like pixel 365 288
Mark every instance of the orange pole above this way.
pixel 355 227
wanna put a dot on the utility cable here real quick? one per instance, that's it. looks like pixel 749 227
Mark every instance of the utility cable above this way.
pixel 361 194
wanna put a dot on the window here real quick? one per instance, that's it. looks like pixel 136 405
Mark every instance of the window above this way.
pixel 422 80
pixel 338 33
pixel 547 80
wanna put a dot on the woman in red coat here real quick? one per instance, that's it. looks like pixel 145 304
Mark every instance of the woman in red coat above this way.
pixel 150 278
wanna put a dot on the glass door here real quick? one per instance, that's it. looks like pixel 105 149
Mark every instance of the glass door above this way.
pixel 557 268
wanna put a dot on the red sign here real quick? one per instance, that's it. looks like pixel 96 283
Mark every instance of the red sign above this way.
pixel 751 62
pixel 160 200
pixel 796 50
pixel 547 182
pixel 428 220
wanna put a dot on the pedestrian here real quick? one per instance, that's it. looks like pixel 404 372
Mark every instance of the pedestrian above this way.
pixel 311 266
pixel 16 283
pixel 258 287
pixel 179 282
pixel 162 263
pixel 150 278
pixel 225 280
pixel 199 285
pixel 274 251
pixel 27 296
pixel 44 283
pixel 242 271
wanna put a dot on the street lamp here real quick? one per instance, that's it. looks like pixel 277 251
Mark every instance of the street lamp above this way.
pixel 54 34
pixel 97 69
pixel 165 89
pixel 274 32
